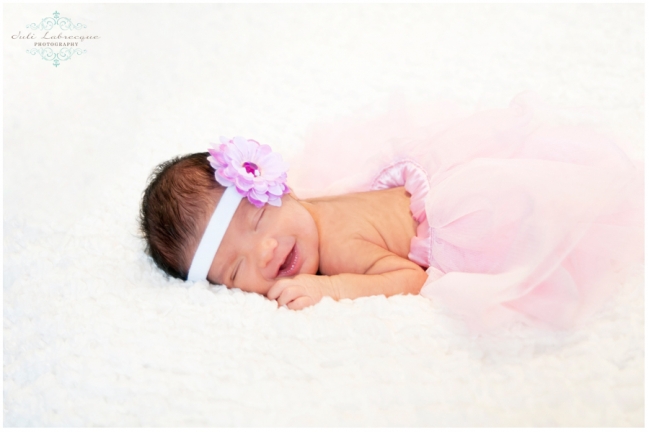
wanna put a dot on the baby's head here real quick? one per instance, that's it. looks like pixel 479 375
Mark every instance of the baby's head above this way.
pixel 180 193
pixel 260 244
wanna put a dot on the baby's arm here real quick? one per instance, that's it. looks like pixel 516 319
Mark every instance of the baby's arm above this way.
pixel 374 271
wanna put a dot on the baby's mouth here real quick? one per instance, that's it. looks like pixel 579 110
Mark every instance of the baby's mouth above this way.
pixel 289 266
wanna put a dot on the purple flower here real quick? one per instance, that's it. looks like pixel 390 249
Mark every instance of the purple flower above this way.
pixel 256 172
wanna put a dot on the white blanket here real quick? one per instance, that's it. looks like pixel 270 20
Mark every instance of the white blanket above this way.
pixel 96 335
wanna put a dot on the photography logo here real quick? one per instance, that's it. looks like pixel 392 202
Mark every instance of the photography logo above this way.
pixel 44 35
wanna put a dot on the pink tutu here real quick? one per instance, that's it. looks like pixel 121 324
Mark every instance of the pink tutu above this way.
pixel 521 215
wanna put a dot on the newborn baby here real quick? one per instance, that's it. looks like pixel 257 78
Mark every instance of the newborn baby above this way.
pixel 296 251
pixel 499 215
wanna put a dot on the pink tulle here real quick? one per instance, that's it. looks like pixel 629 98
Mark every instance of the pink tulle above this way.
pixel 522 214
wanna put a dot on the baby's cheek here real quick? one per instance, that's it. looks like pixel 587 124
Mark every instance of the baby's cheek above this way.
pixel 257 284
pixel 265 287
pixel 311 268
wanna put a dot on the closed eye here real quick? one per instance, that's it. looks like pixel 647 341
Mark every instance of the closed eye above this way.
pixel 261 213
pixel 234 273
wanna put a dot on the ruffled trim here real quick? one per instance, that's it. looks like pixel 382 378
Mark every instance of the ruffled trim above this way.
pixel 414 179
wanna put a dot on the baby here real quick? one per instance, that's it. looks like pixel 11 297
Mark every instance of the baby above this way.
pixel 498 215
pixel 290 250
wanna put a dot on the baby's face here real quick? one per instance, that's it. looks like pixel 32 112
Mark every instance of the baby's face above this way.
pixel 263 245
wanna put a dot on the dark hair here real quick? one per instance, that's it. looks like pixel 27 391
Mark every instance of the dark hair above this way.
pixel 178 196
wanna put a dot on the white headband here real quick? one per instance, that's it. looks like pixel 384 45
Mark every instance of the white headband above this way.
pixel 213 235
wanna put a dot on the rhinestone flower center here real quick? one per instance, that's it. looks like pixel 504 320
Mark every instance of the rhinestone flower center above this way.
pixel 252 168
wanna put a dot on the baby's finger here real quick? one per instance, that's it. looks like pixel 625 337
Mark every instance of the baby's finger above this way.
pixel 289 294
pixel 276 289
pixel 300 303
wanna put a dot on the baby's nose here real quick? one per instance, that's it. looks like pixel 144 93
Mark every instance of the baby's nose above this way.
pixel 266 251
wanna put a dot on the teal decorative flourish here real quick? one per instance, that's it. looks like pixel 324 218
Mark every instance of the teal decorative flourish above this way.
pixel 48 54
pixel 48 23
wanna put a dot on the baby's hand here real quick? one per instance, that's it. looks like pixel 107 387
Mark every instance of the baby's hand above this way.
pixel 300 291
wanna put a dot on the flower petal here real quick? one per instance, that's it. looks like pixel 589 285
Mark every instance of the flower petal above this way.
pixel 261 197
pixel 275 189
pixel 260 187
pixel 243 183
pixel 246 148
pixel 221 178
pixel 218 158
pixel 230 172
pixel 256 203
pixel 272 166
pixel 264 150
pixel 274 201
